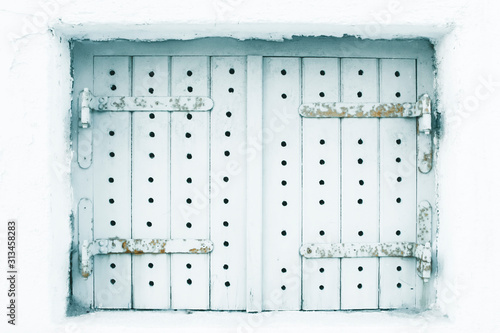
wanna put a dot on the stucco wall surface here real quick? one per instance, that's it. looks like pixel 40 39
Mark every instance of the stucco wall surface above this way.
pixel 35 148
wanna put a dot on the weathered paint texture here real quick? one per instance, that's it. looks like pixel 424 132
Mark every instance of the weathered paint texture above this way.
pixel 351 110
pixel 370 110
pixel 425 145
pixel 359 250
pixel 152 103
pixel 138 247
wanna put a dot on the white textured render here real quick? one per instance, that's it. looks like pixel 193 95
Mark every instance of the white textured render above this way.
pixel 36 148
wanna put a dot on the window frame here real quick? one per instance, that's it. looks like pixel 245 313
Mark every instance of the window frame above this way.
pixel 82 57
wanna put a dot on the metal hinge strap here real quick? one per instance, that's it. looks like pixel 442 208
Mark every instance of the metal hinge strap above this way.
pixel 358 250
pixel 364 110
pixel 139 246
pixel 421 110
pixel 421 251
pixel 89 102
pixel 143 103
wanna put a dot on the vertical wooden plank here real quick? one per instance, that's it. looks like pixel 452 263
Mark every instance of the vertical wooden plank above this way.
pixel 282 181
pixel 397 184
pixel 190 185
pixel 321 185
pixel 398 81
pixel 253 150
pixel 112 209
pixel 360 185
pixel 228 181
pixel 397 210
pixel 151 184
pixel 82 181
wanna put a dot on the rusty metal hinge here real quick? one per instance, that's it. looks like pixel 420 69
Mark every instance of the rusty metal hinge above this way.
pixel 421 250
pixel 424 136
pixel 84 131
pixel 89 102
pixel 421 110
pixel 85 100
pixel 364 110
pixel 144 103
pixel 88 249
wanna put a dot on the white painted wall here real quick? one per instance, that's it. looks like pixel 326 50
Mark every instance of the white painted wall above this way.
pixel 35 146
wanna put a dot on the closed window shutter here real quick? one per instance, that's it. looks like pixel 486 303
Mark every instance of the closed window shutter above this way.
pixel 185 175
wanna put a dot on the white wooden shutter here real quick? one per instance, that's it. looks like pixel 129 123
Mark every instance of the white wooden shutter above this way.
pixel 253 179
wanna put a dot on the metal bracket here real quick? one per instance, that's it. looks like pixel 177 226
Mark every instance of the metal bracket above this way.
pixel 363 110
pixel 144 103
pixel 424 135
pixel 89 249
pixel 85 100
pixel 421 250
pixel 84 144
pixel 421 110
pixel 89 102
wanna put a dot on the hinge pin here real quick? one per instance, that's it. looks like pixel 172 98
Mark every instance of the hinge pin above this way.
pixel 85 98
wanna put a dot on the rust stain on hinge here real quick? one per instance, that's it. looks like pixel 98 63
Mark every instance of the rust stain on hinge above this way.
pixel 125 246
pixel 427 158
pixel 353 110
pixel 119 105
pixel 198 104
pixel 138 247
pixel 141 102
pixel 204 249
pixel 388 110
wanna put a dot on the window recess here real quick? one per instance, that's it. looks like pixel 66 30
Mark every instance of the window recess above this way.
pixel 209 178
